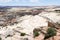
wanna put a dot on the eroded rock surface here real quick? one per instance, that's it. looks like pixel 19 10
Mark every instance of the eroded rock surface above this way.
pixel 26 24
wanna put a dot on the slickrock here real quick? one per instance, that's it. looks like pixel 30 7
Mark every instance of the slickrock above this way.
pixel 26 24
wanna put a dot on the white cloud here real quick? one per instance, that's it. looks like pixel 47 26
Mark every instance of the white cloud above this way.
pixel 4 1
pixel 34 0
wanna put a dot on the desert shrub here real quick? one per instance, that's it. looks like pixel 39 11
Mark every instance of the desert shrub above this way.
pixel 0 38
pixel 23 34
pixel 36 32
pixel 36 29
pixel 50 33
pixel 58 11
pixel 8 35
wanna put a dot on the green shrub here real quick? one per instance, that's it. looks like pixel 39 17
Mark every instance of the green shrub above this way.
pixel 50 33
pixel 23 34
pixel 36 32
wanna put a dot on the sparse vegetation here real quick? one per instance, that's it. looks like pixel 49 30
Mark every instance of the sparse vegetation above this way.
pixel 36 32
pixel 23 34
pixel 58 11
pixel 50 33
pixel 19 19
pixel 0 38
pixel 8 35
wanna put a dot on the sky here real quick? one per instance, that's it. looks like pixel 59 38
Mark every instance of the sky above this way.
pixel 29 2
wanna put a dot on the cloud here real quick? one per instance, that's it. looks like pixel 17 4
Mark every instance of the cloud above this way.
pixel 34 0
pixel 4 1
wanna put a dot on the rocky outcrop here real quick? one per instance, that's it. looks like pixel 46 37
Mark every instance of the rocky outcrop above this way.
pixel 25 22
